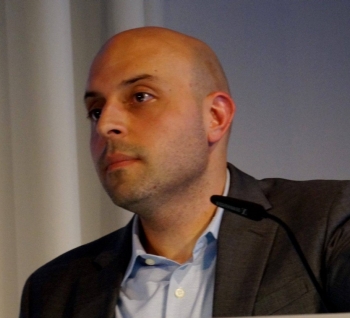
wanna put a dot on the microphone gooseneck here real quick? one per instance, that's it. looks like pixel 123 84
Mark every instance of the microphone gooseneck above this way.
pixel 257 212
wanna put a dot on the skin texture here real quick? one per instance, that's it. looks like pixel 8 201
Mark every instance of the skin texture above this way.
pixel 160 115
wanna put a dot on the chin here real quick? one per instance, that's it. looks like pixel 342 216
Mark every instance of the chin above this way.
pixel 123 200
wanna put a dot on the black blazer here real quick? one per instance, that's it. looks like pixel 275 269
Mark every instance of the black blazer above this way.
pixel 257 270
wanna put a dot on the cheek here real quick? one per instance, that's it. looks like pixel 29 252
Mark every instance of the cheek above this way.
pixel 184 135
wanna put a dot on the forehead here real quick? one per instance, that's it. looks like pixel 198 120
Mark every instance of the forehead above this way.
pixel 119 61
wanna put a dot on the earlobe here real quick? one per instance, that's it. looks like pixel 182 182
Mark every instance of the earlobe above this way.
pixel 221 112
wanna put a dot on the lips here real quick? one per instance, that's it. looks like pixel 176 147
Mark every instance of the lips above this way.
pixel 118 160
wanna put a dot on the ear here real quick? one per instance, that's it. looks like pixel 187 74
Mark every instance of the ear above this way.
pixel 220 110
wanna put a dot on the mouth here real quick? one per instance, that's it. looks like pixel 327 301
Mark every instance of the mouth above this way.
pixel 116 161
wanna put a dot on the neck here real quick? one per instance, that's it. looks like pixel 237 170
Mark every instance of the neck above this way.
pixel 173 229
pixel 175 238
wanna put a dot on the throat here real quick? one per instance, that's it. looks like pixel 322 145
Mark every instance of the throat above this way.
pixel 173 240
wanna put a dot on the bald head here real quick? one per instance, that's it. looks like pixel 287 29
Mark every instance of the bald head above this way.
pixel 207 74
pixel 175 62
pixel 159 106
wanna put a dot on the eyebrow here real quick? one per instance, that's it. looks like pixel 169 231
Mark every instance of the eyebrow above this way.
pixel 136 78
pixel 89 94
pixel 123 83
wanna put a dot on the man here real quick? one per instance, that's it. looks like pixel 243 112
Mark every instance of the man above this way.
pixel 160 114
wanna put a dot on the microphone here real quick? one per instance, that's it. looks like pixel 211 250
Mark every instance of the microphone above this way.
pixel 247 209
pixel 257 212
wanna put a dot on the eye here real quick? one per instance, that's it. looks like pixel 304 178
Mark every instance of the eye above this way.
pixel 141 97
pixel 95 114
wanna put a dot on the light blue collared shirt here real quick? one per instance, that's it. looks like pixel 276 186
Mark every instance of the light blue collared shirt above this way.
pixel 157 287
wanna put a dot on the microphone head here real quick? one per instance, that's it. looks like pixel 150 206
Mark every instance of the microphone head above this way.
pixel 247 209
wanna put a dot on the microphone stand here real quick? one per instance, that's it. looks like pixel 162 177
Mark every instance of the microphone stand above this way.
pixel 257 212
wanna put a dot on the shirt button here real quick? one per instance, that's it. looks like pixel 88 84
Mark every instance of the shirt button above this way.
pixel 179 293
pixel 150 261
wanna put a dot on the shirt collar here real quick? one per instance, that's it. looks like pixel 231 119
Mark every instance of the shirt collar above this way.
pixel 214 225
pixel 213 229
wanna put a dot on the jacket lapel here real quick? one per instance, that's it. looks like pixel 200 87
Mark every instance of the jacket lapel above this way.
pixel 243 249
pixel 96 294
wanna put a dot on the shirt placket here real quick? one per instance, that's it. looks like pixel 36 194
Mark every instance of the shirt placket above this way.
pixel 177 296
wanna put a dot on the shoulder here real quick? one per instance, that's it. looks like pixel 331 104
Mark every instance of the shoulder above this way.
pixel 304 205
pixel 316 210
pixel 313 187
pixel 87 257
pixel 75 273
pixel 314 196
pixel 273 193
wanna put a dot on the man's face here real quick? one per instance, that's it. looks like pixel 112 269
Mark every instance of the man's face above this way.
pixel 148 138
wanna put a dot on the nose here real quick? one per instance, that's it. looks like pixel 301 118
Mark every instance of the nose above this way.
pixel 112 121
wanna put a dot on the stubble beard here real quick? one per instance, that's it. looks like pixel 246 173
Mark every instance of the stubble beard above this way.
pixel 119 183
pixel 152 186
pixel 152 189
pixel 127 191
